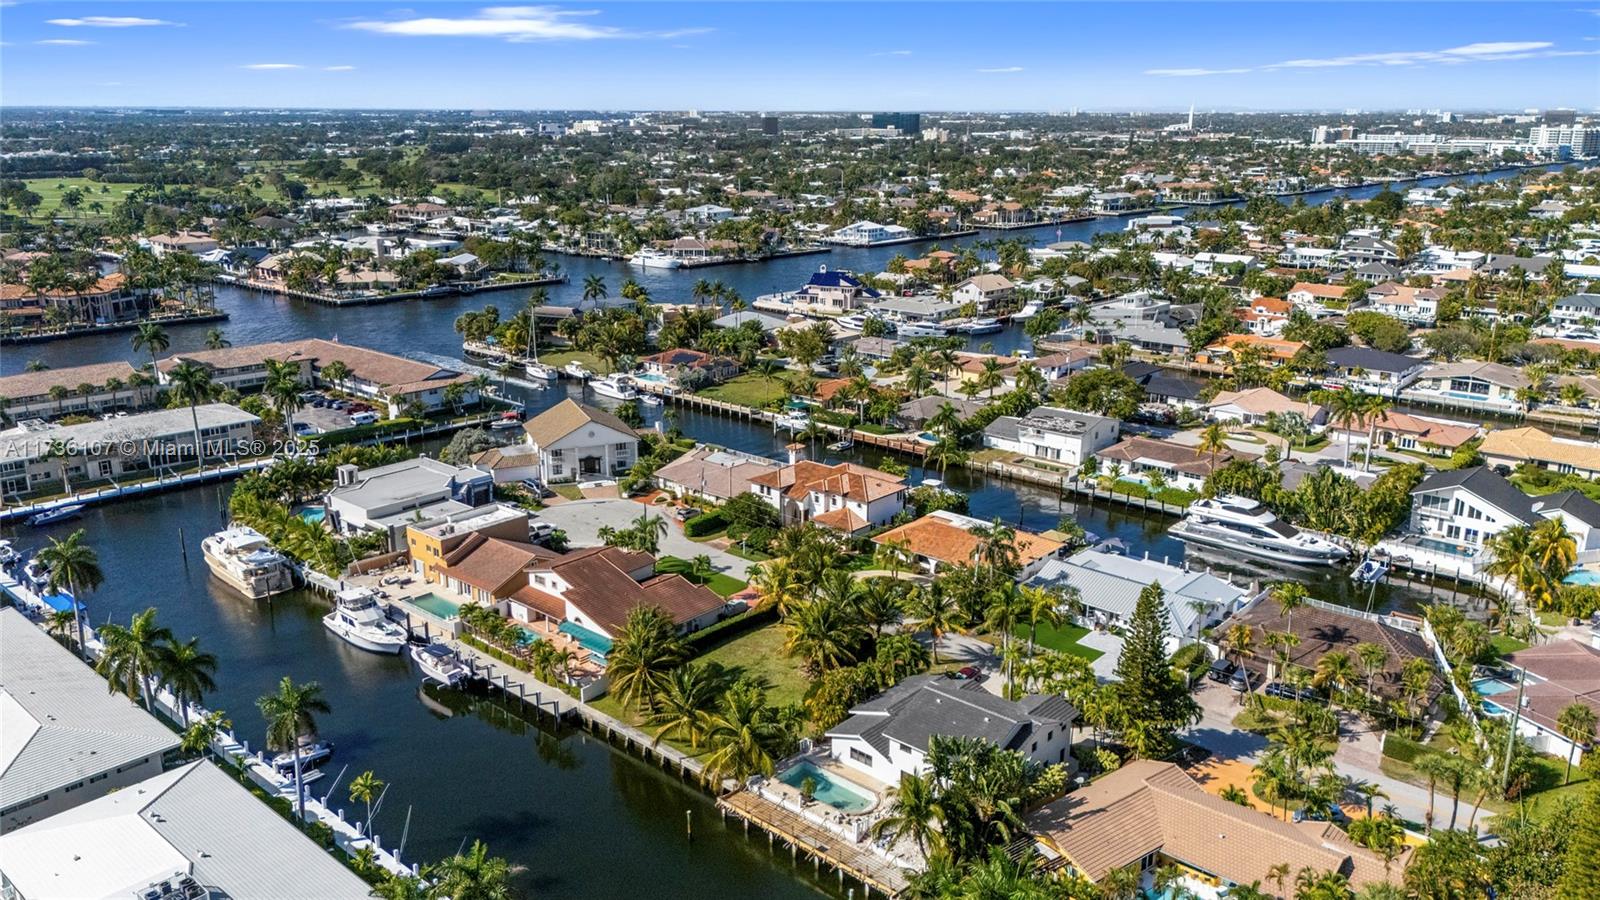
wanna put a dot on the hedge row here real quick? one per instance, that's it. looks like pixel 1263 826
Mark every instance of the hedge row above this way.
pixel 705 523
pixel 1403 749
pixel 733 626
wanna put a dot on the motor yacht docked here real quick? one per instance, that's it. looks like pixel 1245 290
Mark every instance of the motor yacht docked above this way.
pixel 617 387
pixel 438 662
pixel 1029 310
pixel 1244 526
pixel 577 370
pixel 358 619
pixel 655 259
pixel 243 559
pixel 921 329
pixel 311 756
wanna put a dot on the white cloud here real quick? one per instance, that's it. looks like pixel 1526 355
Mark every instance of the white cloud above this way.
pixel 338 68
pixel 517 24
pixel 1001 70
pixel 272 67
pixel 110 22
pixel 891 53
pixel 1483 51
pixel 63 42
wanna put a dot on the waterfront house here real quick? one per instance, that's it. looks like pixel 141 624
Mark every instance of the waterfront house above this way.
pixel 1454 512
pixel 1053 434
pixel 509 464
pixel 68 741
pixel 488 570
pixel 1575 311
pixel 1371 371
pixel 588 594
pixel 1266 316
pixel 1006 215
pixel 832 293
pixel 1558 674
pixel 916 412
pixel 1224 263
pixel 1503 264
pixel 1375 273
pixel 984 291
pixel 577 442
pixel 1164 387
pixel 1474 385
pixel 1272 352
pixel 431 542
pixel 1299 256
pixel 712 473
pixel 1533 446
pixel 1256 406
pixel 920 308
pixel 1151 814
pixel 676 364
pixel 113 447
pixel 889 735
pixel 1112 203
pixel 1411 305
pixel 1320 300
pixel 1402 431
pixel 866 233
pixel 1182 466
pixel 27 394
pixel 846 497
pixel 1364 249
pixel 1108 586
pixel 389 498
pixel 191 242
pixel 945 538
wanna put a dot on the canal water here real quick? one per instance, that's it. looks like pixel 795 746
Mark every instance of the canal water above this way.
pixel 584 819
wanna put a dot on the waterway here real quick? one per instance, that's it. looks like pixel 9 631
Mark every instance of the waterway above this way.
pixel 584 819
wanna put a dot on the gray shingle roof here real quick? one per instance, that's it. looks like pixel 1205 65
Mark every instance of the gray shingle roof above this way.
pixel 1371 360
pixel 1484 483
pixel 1573 503
pixel 920 708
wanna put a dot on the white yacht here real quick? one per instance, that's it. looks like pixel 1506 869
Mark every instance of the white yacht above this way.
pixel 358 619
pixel 617 387
pixel 1029 310
pixel 577 370
pixel 440 663
pixel 921 329
pixel 854 321
pixel 983 326
pixel 243 558
pixel 655 259
pixel 1241 525
pixel 540 372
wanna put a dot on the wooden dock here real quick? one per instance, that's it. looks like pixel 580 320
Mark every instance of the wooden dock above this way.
pixel 874 872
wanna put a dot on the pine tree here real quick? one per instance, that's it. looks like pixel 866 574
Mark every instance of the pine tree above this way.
pixel 1152 704
pixel 1582 871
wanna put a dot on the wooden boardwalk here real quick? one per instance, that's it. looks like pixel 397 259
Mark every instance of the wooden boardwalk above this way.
pixel 823 846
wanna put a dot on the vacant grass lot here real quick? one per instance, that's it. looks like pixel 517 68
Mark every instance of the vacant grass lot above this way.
pixel 759 653
pixel 750 389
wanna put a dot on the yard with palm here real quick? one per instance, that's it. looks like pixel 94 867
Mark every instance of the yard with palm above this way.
pixel 750 389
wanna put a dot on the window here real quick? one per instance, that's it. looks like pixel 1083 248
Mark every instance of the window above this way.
pixel 857 755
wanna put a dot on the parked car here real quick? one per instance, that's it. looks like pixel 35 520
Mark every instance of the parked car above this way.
pixel 363 418
pixel 685 513
pixel 964 673
pixel 1221 670
pixel 320 403
pixel 1310 695
pixel 540 531
pixel 534 487
pixel 1332 813
pixel 1281 691
pixel 1240 680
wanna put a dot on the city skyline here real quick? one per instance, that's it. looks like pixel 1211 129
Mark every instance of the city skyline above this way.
pixel 792 57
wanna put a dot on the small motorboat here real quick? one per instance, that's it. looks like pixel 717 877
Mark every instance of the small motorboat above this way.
pixel 649 400
pixel 577 370
pixel 538 371
pixel 1029 310
pixel 841 446
pixel 508 421
pixel 311 756
pixel 35 575
pixel 440 663
pixel 1371 569
pixel 59 514
pixel 8 554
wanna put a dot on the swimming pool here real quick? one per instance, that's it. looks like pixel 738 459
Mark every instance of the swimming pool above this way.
pixel 1488 687
pixel 830 790
pixel 1494 709
pixel 1583 576
pixel 314 514
pixel 1444 547
pixel 651 378
pixel 439 606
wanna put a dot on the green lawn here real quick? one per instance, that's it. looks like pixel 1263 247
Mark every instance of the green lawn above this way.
pixel 720 584
pixel 749 389
pixel 562 357
pixel 51 189
pixel 760 653
pixel 569 491
pixel 1503 645
pixel 1063 639
pixel 1544 793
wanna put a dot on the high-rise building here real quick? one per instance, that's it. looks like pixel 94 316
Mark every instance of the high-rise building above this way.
pixel 1559 116
pixel 1580 140
pixel 907 123
pixel 771 125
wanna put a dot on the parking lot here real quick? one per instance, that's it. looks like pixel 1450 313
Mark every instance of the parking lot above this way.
pixel 327 416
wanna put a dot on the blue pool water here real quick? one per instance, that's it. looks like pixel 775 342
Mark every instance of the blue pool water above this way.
pixel 439 606
pixel 650 377
pixel 593 641
pixel 1488 687
pixel 829 789
pixel 314 514
pixel 1495 709
pixel 1583 577
pixel 1444 547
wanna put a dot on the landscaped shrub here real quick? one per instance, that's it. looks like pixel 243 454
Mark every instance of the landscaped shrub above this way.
pixel 704 524
pixel 1403 749
pixel 705 639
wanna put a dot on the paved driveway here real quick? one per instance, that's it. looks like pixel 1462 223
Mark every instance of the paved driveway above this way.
pixel 1110 647
pixel 583 519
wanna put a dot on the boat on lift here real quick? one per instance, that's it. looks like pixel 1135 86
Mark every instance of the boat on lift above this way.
pixel 1372 569
pixel 438 662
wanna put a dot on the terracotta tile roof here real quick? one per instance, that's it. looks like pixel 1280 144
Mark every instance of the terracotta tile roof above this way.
pixel 715 472
pixel 1183 458
pixel 1260 401
pixel 1439 434
pixel 566 417
pixel 1325 291
pixel 493 564
pixel 1148 806
pixel 948 538
pixel 1530 443
pixel 841 519
pixel 395 374
pixel 38 384
pixel 849 480
pixel 1275 348
pixel 605 591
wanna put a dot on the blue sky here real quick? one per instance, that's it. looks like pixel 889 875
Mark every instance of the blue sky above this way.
pixel 788 56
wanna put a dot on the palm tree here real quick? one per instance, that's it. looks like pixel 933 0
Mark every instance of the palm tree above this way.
pixel 202 733
pixel 283 388
pixel 1335 673
pixel 337 372
pixel 474 876
pixel 1213 440
pixel 946 420
pixel 1373 658
pixel 365 787
pixel 686 707
pixel 594 288
pixel 1576 723
pixel 745 735
pixel 60 623
pixel 133 655
pixel 643 655
pixel 823 634
pixel 73 566
pixel 946 452
pixel 151 337
pixel 1290 596
pixel 1241 639
pixel 291 717
pixel 216 341
pixel 191 384
pixel 1373 409
pixel 914 812
pixel 934 609
pixel 186 670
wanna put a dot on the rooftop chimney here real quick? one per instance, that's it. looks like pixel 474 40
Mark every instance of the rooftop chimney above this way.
pixel 797 452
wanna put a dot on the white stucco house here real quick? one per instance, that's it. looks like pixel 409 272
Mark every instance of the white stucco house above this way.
pixel 576 442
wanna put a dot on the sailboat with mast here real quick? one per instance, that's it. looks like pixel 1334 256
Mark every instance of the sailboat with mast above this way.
pixel 533 368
